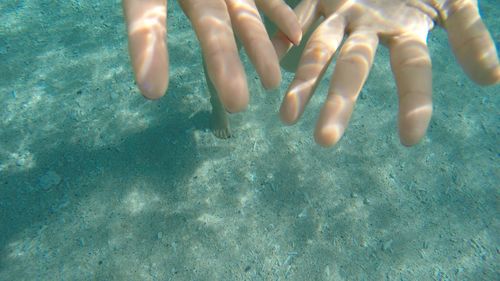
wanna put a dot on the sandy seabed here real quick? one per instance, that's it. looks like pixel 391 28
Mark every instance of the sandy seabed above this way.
pixel 97 183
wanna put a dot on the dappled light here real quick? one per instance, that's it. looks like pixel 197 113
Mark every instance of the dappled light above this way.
pixel 98 183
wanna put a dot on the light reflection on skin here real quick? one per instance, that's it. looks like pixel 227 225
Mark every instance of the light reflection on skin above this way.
pixel 147 45
pixel 356 59
pixel 401 25
pixel 213 22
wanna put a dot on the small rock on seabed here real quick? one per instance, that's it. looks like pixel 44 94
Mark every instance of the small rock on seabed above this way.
pixel 48 180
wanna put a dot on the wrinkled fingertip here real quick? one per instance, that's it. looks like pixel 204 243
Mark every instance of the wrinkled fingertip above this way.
pixel 411 132
pixel 414 116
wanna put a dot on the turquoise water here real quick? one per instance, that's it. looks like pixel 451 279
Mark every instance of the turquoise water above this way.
pixel 97 183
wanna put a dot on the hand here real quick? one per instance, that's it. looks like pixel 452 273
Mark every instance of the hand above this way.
pixel 215 23
pixel 401 25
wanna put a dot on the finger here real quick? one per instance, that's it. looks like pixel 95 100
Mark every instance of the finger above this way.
pixel 472 43
pixel 146 28
pixel 248 25
pixel 290 60
pixel 212 25
pixel 284 17
pixel 412 69
pixel 317 55
pixel 306 13
pixel 351 70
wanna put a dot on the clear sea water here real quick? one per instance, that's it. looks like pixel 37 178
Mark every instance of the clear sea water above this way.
pixel 97 183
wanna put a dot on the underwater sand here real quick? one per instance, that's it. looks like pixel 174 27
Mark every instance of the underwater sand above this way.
pixel 97 183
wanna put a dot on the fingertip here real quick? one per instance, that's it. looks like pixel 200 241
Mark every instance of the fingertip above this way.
pixel 495 77
pixel 286 119
pixel 267 65
pixel 488 77
pixel 285 116
pixel 273 79
pixel 413 126
pixel 235 97
pixel 328 136
pixel 281 44
pixel 153 90
pixel 409 142
pixel 289 111
pixel 410 138
pixel 236 105
pixel 285 19
pixel 295 33
pixel 298 38
pixel 151 70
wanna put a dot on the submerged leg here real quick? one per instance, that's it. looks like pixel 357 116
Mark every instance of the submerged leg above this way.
pixel 219 122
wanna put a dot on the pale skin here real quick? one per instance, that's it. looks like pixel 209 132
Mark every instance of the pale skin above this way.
pixel 401 25
pixel 216 23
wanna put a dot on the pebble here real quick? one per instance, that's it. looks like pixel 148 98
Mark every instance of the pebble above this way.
pixel 386 246
pixel 48 180
pixel 366 201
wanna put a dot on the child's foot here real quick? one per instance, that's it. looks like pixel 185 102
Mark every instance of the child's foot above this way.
pixel 219 123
